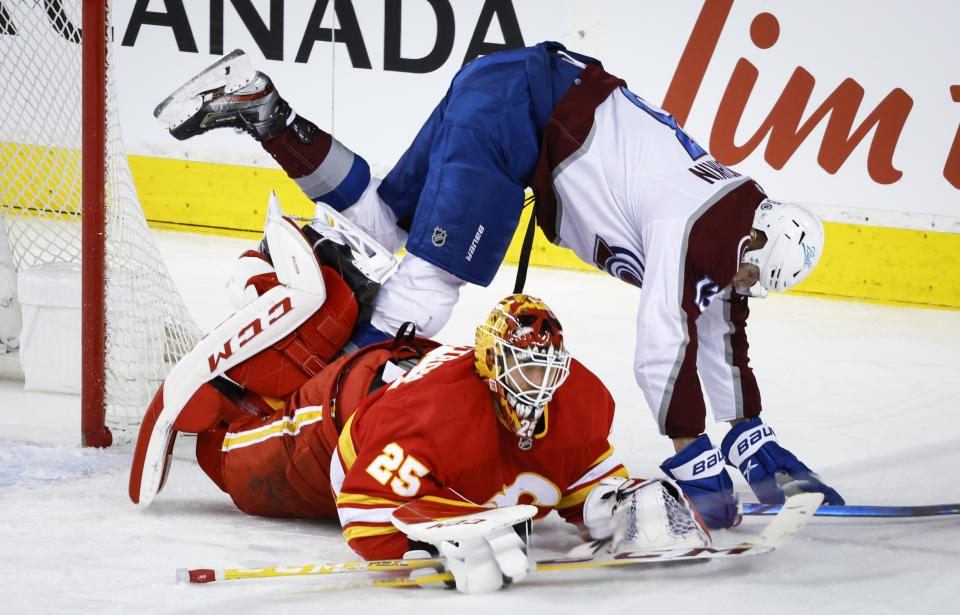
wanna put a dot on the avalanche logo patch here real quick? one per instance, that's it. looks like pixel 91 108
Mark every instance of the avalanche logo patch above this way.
pixel 619 262
pixel 706 290
pixel 439 237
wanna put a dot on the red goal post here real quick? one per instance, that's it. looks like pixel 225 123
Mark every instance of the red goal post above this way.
pixel 93 429
pixel 68 202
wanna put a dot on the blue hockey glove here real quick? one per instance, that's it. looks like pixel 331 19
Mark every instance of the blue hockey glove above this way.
pixel 700 472
pixel 771 469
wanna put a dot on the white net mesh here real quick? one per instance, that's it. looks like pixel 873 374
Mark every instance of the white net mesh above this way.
pixel 679 520
pixel 148 326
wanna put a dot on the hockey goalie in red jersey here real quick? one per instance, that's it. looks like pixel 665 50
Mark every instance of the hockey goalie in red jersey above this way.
pixel 416 447
pixel 512 435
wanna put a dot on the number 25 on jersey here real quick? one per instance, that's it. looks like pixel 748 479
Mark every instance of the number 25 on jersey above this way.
pixel 401 470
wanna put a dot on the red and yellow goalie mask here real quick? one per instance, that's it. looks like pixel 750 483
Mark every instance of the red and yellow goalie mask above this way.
pixel 519 352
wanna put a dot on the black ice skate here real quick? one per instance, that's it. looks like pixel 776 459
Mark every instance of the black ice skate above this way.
pixel 227 93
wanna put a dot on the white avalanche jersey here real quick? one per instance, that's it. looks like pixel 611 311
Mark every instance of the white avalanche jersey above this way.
pixel 624 188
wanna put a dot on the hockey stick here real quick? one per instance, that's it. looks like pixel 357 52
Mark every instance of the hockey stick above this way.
pixel 928 510
pixel 402 581
pixel 787 522
pixel 208 575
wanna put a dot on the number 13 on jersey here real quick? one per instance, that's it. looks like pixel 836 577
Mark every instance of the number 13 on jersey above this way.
pixel 401 470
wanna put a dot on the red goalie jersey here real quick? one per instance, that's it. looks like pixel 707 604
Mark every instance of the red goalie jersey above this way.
pixel 434 433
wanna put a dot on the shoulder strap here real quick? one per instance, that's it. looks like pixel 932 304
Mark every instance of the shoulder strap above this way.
pixel 526 248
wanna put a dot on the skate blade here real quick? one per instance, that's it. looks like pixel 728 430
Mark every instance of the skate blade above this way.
pixel 233 71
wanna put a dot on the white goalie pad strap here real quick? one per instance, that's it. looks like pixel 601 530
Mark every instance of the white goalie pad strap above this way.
pixel 293 258
pixel 749 442
pixel 255 327
pixel 706 464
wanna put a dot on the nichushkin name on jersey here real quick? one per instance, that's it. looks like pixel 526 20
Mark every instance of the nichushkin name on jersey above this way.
pixel 711 171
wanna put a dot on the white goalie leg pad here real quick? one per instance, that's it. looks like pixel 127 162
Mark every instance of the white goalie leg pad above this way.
pixel 294 261
pixel 657 516
pixel 293 258
pixel 257 326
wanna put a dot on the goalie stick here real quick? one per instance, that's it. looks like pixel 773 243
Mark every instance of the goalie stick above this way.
pixel 789 520
pixel 926 510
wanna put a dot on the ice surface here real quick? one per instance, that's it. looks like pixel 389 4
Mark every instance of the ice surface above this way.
pixel 865 394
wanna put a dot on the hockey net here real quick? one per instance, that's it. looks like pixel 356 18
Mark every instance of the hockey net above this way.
pixel 146 326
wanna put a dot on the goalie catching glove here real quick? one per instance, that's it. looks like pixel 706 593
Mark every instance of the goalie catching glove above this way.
pixel 485 549
pixel 632 514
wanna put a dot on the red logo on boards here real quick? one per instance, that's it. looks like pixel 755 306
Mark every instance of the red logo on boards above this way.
pixel 782 127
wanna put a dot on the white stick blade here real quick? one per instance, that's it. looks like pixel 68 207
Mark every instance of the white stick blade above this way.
pixel 796 511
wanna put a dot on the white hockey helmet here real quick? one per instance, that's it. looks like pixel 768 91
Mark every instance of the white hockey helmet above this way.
pixel 794 244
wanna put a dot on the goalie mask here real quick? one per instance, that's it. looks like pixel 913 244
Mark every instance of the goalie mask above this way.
pixel 794 242
pixel 519 352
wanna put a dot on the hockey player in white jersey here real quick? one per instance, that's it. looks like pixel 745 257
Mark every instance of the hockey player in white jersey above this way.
pixel 616 181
